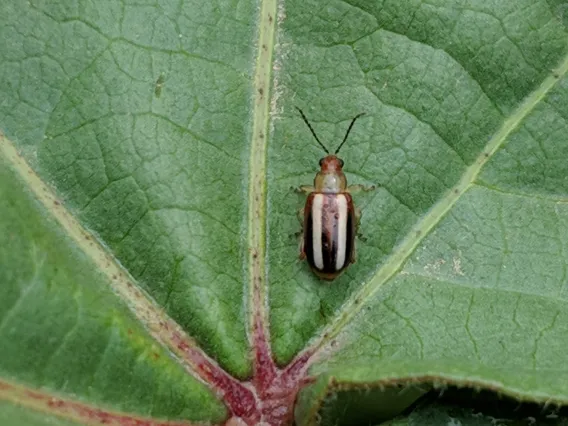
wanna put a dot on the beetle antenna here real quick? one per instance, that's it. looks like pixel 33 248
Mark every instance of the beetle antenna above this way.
pixel 312 130
pixel 348 130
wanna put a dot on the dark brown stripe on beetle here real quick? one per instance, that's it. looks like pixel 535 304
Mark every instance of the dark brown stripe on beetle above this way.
pixel 328 232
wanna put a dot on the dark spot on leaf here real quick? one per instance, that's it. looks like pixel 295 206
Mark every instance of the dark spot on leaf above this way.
pixel 159 85
pixel 57 403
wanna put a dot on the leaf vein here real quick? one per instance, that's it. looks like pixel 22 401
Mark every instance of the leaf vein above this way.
pixel 439 210
pixel 465 284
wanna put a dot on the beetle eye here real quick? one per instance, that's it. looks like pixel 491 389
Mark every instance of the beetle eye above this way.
pixel 341 163
pixel 321 162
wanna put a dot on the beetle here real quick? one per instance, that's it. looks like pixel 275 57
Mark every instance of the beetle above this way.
pixel 330 219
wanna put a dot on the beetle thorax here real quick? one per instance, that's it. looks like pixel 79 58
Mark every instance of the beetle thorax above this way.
pixel 334 182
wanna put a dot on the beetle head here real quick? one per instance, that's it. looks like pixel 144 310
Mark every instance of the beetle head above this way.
pixel 330 178
pixel 331 164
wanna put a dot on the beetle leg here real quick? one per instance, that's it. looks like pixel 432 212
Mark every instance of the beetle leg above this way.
pixel 300 214
pixel 305 189
pixel 357 188
pixel 354 253
pixel 352 189
pixel 358 215
pixel 302 252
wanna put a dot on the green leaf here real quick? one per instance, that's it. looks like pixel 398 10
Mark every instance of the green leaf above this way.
pixel 438 414
pixel 63 328
pixel 148 266
pixel 14 415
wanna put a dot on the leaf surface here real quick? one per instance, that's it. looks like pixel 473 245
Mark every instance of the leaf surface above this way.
pixel 439 414
pixel 14 415
pixel 147 254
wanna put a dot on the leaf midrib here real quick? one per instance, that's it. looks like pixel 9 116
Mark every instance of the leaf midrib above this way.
pixel 255 285
pixel 418 232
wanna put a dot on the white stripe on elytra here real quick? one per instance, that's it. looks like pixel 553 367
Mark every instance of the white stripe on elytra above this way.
pixel 317 210
pixel 341 231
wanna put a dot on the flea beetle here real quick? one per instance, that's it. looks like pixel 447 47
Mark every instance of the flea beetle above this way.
pixel 330 219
